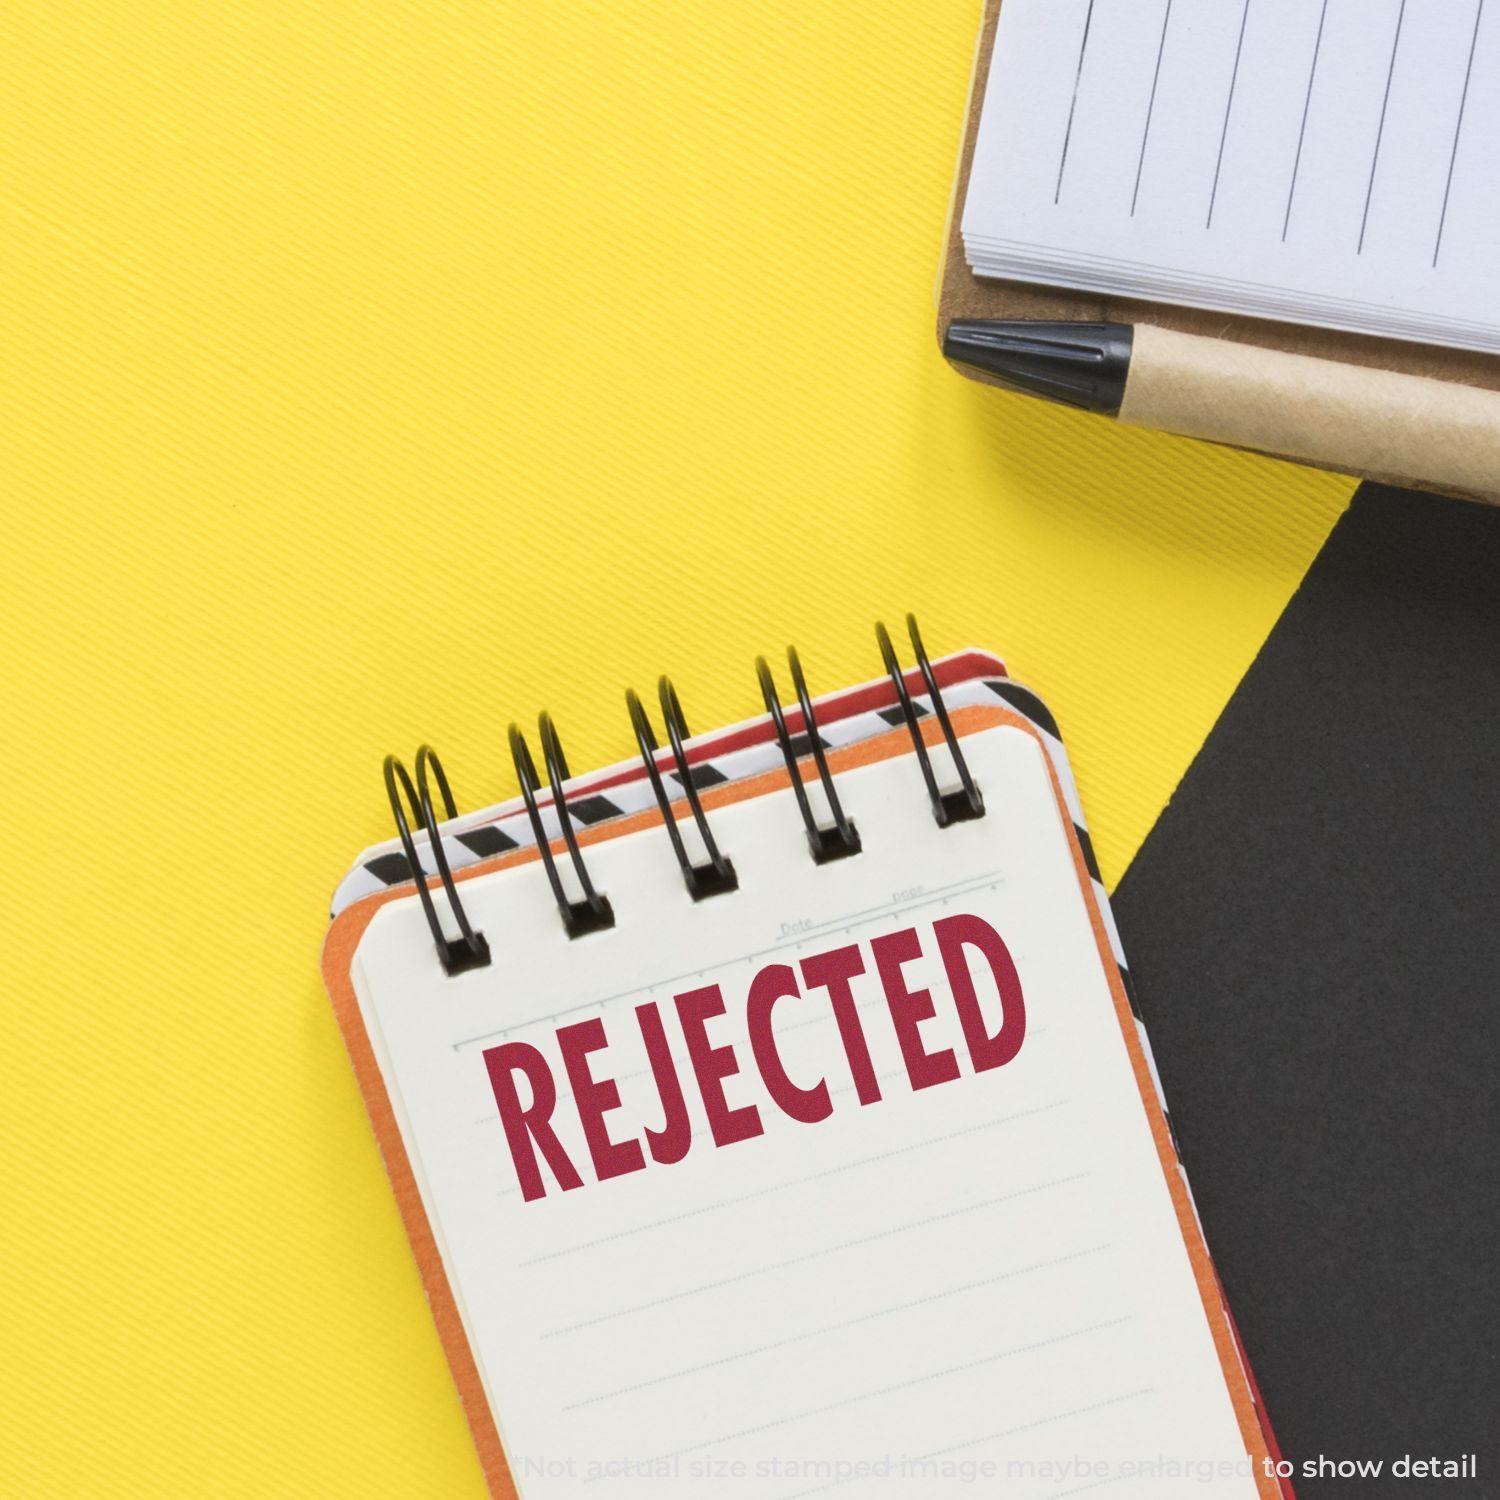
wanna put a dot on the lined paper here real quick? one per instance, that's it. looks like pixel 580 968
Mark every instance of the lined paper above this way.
pixel 987 1271
pixel 1325 161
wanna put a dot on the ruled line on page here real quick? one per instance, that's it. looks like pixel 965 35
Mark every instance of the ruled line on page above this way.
pixel 888 1390
pixel 842 1325
pixel 990 1437
pixel 776 1187
pixel 1234 78
pixel 935 896
pixel 1083 47
pixel 924 1222
pixel 1161 52
pixel 1385 105
pixel 1458 127
pixel 1312 75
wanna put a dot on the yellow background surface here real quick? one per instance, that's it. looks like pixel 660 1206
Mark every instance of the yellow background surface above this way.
pixel 381 371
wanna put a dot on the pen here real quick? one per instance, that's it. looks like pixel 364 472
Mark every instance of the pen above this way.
pixel 1343 416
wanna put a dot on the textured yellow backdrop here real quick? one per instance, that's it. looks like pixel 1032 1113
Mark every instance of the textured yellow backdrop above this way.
pixel 375 371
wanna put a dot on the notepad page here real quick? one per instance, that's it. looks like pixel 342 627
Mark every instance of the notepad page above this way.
pixel 983 1271
pixel 1327 161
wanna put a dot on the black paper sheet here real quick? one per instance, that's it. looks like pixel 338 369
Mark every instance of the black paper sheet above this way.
pixel 1314 930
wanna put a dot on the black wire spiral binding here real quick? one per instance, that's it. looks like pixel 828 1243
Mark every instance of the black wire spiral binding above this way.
pixel 593 912
pixel 717 877
pixel 842 839
pixel 947 807
pixel 469 950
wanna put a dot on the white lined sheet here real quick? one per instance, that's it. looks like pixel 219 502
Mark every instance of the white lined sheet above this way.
pixel 882 1283
pixel 1327 161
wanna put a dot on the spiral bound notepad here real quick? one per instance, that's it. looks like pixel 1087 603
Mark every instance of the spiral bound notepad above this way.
pixel 783 1128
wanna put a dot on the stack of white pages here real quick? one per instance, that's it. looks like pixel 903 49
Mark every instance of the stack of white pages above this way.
pixel 1330 162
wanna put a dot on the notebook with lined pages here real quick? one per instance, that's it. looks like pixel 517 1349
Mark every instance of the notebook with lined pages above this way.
pixel 786 1129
